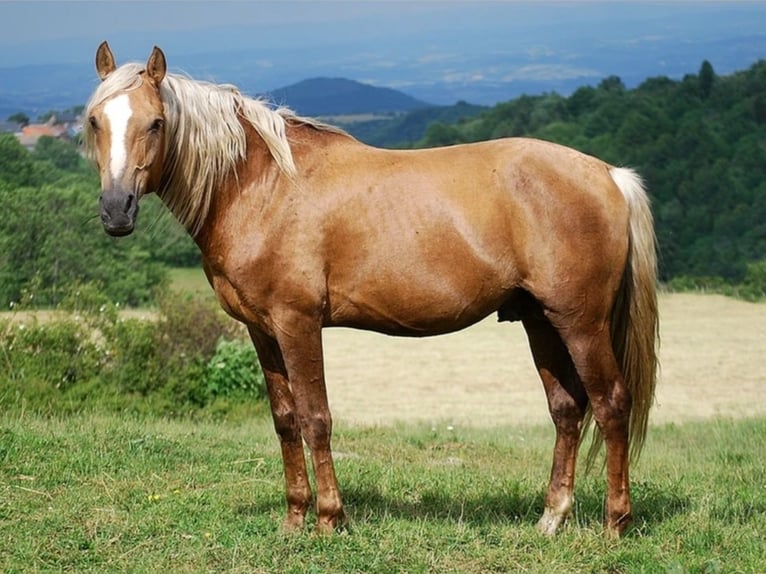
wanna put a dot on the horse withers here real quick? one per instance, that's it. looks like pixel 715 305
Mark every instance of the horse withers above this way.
pixel 303 227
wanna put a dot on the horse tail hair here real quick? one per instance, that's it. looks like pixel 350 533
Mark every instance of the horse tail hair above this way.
pixel 634 319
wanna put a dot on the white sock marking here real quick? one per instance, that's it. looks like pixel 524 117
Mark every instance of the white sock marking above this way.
pixel 118 111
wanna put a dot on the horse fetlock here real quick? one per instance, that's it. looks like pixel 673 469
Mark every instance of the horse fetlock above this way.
pixel 551 520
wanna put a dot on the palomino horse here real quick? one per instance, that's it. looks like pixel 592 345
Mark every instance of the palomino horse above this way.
pixel 302 227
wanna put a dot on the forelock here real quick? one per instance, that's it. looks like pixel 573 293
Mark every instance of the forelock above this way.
pixel 125 78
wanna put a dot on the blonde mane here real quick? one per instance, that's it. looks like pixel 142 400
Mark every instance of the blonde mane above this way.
pixel 204 139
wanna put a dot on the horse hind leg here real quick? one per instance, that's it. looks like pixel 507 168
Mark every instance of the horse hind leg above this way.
pixel 590 347
pixel 567 403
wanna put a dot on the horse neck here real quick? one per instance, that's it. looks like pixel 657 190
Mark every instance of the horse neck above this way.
pixel 253 184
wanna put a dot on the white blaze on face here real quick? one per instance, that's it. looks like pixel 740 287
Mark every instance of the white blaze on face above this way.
pixel 118 111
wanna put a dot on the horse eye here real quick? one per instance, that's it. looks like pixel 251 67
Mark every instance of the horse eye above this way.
pixel 157 125
pixel 93 123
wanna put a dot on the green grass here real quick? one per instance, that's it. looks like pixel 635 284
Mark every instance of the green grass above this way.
pixel 93 493
pixel 190 280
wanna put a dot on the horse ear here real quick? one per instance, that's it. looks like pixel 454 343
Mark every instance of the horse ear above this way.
pixel 156 66
pixel 104 61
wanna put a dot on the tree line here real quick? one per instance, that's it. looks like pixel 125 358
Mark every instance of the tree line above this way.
pixel 51 237
pixel 699 142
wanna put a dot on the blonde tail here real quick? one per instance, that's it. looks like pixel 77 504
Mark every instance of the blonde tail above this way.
pixel 634 320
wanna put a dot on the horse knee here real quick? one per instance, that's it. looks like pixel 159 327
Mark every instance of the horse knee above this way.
pixel 286 425
pixel 566 411
pixel 621 400
pixel 316 429
pixel 612 411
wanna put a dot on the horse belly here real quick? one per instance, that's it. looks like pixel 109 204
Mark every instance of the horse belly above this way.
pixel 433 316
pixel 423 299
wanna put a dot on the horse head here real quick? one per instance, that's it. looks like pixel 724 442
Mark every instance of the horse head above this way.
pixel 126 130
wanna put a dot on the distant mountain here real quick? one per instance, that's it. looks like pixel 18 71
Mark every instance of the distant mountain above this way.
pixel 339 96
pixel 404 129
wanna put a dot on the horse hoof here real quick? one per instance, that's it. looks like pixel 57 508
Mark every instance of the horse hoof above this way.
pixel 332 525
pixel 616 528
pixel 549 523
pixel 292 524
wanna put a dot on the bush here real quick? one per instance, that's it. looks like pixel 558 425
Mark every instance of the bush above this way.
pixel 184 359
pixel 234 369
pixel 59 353
pixel 752 288
pixel 189 326
pixel 754 285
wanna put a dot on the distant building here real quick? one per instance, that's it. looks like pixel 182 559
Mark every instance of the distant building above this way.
pixel 30 134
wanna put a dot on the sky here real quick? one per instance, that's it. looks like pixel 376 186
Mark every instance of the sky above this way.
pixel 31 25
pixel 33 31
pixel 410 45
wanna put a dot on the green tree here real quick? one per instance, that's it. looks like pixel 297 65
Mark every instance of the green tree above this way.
pixel 16 165
pixel 439 134
pixel 60 154
pixel 19 118
pixel 46 116
pixel 707 78
pixel 50 240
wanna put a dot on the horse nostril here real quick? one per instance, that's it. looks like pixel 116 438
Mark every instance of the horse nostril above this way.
pixel 115 203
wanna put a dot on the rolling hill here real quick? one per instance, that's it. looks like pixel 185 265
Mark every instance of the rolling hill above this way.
pixel 340 96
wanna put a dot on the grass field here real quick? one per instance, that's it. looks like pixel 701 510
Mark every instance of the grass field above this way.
pixel 94 494
pixel 190 280
pixel 435 475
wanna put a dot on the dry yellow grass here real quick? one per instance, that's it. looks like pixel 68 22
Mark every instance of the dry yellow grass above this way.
pixel 713 358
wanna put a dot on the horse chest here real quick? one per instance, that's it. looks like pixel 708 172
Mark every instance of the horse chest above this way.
pixel 238 302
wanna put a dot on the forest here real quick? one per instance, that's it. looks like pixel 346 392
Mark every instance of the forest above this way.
pixel 51 239
pixel 699 143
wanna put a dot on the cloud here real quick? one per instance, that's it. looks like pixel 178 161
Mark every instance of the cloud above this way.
pixel 463 77
pixel 437 58
pixel 549 72
pixel 535 52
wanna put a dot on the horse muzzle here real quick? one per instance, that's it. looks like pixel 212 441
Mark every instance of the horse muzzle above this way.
pixel 118 212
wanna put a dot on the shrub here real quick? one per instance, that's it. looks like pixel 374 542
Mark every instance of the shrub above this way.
pixel 752 288
pixel 183 359
pixel 754 285
pixel 190 326
pixel 59 353
pixel 234 369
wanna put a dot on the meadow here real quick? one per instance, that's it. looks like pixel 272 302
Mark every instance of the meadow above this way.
pixel 115 494
pixel 442 449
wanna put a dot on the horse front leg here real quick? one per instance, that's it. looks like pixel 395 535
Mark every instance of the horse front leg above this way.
pixel 297 488
pixel 300 340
